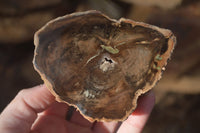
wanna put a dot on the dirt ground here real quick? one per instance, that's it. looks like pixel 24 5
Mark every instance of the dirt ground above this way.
pixel 177 106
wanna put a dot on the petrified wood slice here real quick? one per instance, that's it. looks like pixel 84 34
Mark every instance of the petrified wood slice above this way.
pixel 100 65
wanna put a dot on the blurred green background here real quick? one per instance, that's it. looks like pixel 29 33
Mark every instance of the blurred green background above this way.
pixel 177 106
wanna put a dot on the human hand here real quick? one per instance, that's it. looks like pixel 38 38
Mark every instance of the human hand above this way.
pixel 36 111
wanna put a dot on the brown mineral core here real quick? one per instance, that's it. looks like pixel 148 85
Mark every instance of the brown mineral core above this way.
pixel 100 65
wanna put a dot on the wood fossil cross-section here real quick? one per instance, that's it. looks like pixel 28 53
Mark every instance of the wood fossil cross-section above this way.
pixel 101 65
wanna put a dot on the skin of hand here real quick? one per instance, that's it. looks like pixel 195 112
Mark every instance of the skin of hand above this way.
pixel 35 110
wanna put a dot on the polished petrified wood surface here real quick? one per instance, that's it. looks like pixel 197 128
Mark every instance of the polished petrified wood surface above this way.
pixel 101 65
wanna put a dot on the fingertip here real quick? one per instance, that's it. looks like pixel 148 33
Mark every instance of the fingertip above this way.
pixel 145 103
pixel 139 117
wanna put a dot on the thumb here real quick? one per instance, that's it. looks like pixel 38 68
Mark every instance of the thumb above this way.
pixel 20 114
pixel 136 121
